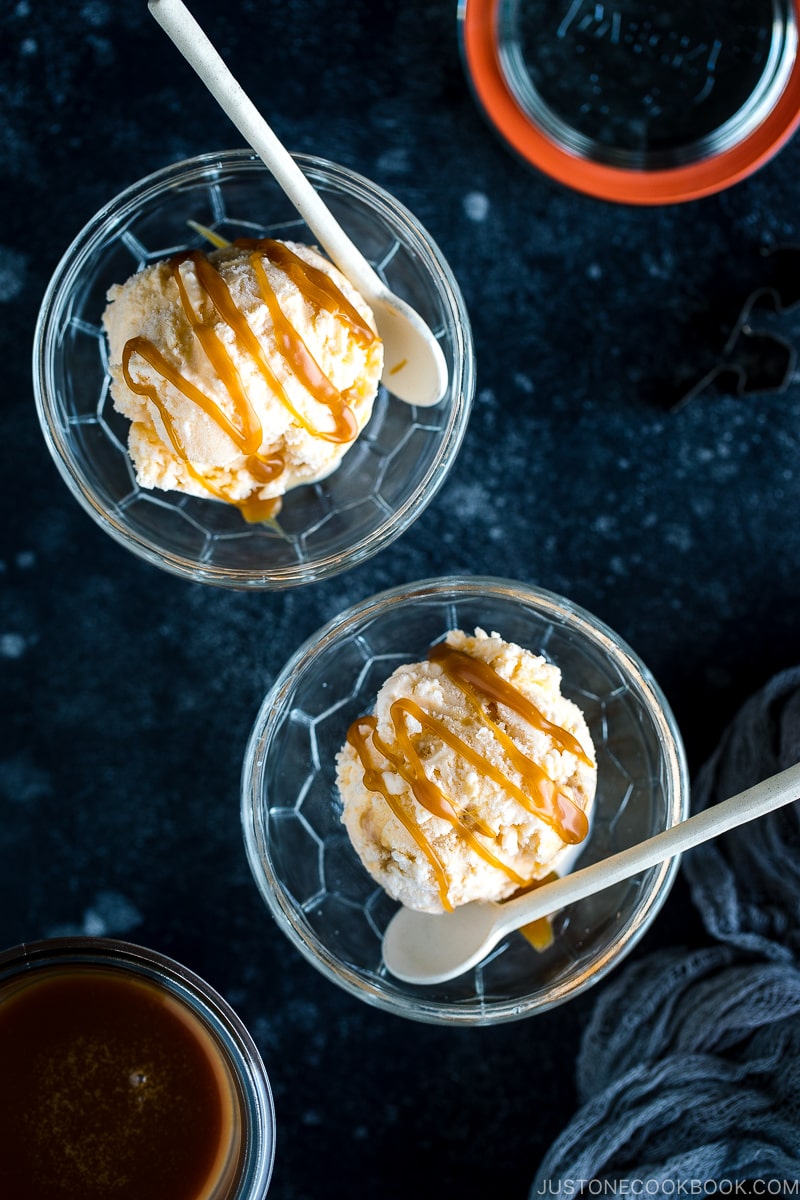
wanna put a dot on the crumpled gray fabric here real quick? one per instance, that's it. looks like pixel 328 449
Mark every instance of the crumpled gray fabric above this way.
pixel 688 1074
pixel 747 884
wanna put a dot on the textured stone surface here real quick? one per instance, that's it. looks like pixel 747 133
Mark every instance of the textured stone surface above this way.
pixel 130 694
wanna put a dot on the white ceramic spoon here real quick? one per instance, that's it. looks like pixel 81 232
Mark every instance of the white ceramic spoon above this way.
pixel 414 366
pixel 431 948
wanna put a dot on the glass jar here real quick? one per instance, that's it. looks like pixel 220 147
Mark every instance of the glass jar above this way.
pixel 125 1074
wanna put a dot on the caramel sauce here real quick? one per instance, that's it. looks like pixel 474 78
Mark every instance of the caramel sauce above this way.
pixel 484 689
pixel 539 932
pixel 337 425
pixel 111 1089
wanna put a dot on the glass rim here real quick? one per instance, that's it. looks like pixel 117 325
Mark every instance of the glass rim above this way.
pixel 222 1022
pixel 196 169
pixel 480 1012
pixel 532 130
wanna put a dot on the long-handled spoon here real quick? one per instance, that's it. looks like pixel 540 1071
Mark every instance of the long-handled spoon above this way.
pixel 414 366
pixel 431 948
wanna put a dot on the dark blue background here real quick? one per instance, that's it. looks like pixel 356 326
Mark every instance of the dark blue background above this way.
pixel 130 694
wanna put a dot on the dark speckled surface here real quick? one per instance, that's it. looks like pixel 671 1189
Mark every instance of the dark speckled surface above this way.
pixel 130 694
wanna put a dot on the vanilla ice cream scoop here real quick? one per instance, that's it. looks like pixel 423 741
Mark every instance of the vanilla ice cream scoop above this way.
pixel 472 779
pixel 244 372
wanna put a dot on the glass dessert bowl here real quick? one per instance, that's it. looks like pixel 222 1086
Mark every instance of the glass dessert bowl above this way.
pixel 302 859
pixel 384 480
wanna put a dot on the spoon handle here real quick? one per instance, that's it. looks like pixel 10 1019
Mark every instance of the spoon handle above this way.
pixel 179 24
pixel 756 801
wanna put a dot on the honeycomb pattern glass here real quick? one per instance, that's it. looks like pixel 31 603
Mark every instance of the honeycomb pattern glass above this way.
pixel 300 854
pixel 384 481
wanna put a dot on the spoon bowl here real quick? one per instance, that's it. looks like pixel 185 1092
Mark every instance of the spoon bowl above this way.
pixel 430 948
pixel 414 369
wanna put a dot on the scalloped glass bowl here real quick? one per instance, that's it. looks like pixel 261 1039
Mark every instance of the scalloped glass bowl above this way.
pixel 301 857
pixel 384 481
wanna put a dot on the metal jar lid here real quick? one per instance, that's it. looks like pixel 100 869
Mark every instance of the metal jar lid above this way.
pixel 636 101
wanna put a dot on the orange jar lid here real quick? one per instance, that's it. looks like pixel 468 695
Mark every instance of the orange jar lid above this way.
pixel 635 101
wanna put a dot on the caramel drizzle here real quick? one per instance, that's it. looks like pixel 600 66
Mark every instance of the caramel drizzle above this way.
pixel 483 687
pixel 245 429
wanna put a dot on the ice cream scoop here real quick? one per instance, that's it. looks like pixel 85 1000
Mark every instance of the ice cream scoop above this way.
pixel 428 948
pixel 472 778
pixel 244 372
pixel 414 366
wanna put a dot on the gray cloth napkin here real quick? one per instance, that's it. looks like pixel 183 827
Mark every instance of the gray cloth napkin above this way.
pixel 688 1073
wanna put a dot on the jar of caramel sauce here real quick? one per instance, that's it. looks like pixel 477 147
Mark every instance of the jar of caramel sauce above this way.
pixel 125 1076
